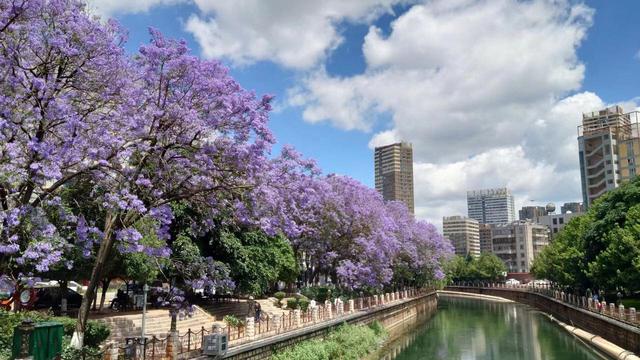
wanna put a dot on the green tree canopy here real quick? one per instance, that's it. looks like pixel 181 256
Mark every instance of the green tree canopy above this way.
pixel 487 267
pixel 600 249
pixel 257 261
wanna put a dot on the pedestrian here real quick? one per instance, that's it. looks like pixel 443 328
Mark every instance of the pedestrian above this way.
pixel 258 310
pixel 619 298
pixel 588 293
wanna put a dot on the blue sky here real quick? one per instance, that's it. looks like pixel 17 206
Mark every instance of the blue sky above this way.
pixel 488 92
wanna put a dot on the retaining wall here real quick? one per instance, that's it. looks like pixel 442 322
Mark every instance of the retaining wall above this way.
pixel 622 334
pixel 392 316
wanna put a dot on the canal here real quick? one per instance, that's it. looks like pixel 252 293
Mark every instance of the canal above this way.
pixel 464 328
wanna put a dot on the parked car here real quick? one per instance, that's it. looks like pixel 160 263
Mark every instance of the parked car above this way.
pixel 512 282
pixel 50 298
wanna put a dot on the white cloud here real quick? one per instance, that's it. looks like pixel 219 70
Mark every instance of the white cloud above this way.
pixel 108 8
pixel 441 188
pixel 296 34
pixel 487 69
pixel 480 89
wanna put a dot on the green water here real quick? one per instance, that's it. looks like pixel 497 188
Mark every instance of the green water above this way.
pixel 478 329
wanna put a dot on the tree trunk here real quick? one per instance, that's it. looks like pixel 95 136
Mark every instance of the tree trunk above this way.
pixel 95 302
pixel 105 287
pixel 77 340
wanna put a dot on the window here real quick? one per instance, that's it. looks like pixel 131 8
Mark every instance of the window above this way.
pixel 555 230
pixel 610 181
pixel 561 221
pixel 555 221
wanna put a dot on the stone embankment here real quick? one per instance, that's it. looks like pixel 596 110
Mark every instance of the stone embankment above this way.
pixel 392 310
pixel 612 329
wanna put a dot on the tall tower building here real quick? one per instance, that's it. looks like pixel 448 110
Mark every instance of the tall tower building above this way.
pixel 609 149
pixel 394 172
pixel 491 206
pixel 463 234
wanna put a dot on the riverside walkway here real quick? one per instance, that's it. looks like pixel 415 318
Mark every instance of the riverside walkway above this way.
pixel 188 344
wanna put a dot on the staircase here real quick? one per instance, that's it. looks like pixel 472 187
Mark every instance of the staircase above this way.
pixel 219 310
pixel 158 323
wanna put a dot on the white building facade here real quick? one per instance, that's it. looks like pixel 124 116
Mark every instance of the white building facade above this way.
pixel 491 206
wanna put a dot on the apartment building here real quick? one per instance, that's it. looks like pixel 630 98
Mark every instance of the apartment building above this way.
pixel 609 149
pixel 463 233
pixel 518 243
pixel 394 172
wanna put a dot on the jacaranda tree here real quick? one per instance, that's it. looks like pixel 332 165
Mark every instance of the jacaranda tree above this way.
pixel 161 127
pixel 98 149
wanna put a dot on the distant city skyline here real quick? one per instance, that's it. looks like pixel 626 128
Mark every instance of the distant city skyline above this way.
pixel 381 71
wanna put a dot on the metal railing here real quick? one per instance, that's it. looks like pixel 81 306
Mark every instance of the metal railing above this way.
pixel 268 325
pixel 614 311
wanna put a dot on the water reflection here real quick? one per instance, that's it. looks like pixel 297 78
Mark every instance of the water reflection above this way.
pixel 475 329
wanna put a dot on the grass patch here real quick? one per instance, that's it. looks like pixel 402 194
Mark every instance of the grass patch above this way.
pixel 347 342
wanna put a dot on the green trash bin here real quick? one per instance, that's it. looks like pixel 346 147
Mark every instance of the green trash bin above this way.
pixel 45 341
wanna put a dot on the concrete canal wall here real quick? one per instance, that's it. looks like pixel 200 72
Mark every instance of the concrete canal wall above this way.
pixel 393 316
pixel 625 335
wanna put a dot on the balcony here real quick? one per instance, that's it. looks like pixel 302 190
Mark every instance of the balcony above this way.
pixel 595 181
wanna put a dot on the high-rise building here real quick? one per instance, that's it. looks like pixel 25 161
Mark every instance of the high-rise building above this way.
pixel 491 206
pixel 531 212
pixel 609 149
pixel 485 238
pixel 556 222
pixel 463 234
pixel 518 243
pixel 574 207
pixel 394 172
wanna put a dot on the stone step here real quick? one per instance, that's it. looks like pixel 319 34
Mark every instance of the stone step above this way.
pixel 158 322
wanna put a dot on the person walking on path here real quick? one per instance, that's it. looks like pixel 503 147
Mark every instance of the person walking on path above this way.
pixel 258 311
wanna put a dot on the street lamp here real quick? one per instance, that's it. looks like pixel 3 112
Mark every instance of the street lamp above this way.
pixel 145 289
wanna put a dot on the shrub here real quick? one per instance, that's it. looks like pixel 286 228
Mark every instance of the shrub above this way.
pixel 346 342
pixel 279 295
pixel 377 328
pixel 86 353
pixel 95 333
pixel 310 292
pixel 292 304
pixel 323 294
pixel 233 321
pixel 304 304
